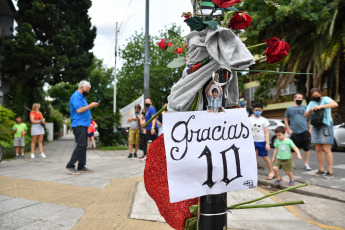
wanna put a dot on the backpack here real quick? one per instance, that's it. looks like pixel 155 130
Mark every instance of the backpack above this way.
pixel 316 118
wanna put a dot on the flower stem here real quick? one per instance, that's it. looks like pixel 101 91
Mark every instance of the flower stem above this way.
pixel 257 45
pixel 271 205
pixel 154 116
pixel 202 15
pixel 268 195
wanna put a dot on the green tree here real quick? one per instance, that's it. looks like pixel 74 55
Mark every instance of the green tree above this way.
pixel 316 34
pixel 130 83
pixel 61 93
pixel 52 44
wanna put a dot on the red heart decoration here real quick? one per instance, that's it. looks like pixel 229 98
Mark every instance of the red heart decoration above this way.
pixel 156 184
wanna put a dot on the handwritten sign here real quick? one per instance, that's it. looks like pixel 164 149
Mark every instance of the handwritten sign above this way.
pixel 208 153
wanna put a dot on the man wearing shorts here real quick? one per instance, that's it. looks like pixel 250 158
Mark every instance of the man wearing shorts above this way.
pixel 134 136
pixel 299 129
pixel 152 127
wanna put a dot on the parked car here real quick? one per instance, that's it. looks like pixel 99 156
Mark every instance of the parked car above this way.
pixel 339 136
pixel 273 125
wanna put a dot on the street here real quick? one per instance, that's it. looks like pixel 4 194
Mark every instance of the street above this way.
pixel 300 175
pixel 40 194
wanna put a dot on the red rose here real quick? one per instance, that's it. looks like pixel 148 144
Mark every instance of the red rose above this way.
pixel 162 44
pixel 225 3
pixel 186 15
pixel 276 50
pixel 179 50
pixel 240 21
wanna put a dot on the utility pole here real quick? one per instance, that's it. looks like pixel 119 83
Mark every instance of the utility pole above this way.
pixel 147 64
pixel 114 107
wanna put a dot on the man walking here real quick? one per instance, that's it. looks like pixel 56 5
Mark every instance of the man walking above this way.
pixel 152 127
pixel 134 131
pixel 299 129
pixel 80 119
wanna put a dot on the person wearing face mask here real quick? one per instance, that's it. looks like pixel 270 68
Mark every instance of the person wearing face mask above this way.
pixel 299 129
pixel 261 137
pixel 20 130
pixel 243 104
pixel 152 127
pixel 322 137
pixel 134 131
pixel 80 119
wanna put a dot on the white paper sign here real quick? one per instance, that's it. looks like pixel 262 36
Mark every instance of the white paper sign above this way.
pixel 208 153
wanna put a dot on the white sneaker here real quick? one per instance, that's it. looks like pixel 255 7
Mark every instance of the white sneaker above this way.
pixel 43 155
pixel 143 159
pixel 32 156
pixel 307 168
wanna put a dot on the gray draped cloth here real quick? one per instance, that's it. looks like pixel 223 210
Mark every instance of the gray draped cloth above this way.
pixel 226 51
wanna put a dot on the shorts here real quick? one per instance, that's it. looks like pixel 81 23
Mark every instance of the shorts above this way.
pixel 301 140
pixel 150 138
pixel 91 134
pixel 19 141
pixel 322 135
pixel 261 147
pixel 134 137
pixel 285 164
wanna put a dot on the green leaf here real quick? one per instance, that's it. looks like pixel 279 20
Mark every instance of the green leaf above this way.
pixel 211 24
pixel 177 62
pixel 171 49
pixel 173 34
pixel 196 23
pixel 194 209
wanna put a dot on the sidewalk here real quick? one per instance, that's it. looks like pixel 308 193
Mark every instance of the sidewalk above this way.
pixel 40 194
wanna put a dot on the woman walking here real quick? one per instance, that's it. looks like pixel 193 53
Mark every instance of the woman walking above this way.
pixel 322 136
pixel 37 130
pixel 91 134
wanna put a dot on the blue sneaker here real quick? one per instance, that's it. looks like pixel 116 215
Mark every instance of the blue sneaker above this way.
pixel 277 182
pixel 291 183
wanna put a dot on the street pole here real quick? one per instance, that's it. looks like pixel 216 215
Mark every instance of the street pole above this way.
pixel 213 212
pixel 147 64
pixel 114 107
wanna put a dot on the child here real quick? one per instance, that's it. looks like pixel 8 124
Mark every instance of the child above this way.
pixel 261 137
pixel 282 155
pixel 20 130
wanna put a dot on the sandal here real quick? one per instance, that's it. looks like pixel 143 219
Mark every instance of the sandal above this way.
pixel 270 178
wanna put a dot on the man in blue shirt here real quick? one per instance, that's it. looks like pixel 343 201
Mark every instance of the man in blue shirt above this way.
pixel 299 129
pixel 152 127
pixel 81 119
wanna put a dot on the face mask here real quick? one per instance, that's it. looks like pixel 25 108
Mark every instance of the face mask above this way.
pixel 257 113
pixel 85 93
pixel 19 122
pixel 299 102
pixel 147 105
pixel 317 99
pixel 242 103
pixel 143 113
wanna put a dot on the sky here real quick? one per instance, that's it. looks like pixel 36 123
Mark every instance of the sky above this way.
pixel 130 14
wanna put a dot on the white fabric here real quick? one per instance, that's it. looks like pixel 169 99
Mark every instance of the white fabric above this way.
pixel 258 128
pixel 225 50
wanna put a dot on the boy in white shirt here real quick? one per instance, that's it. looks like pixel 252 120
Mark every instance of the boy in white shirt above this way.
pixel 261 137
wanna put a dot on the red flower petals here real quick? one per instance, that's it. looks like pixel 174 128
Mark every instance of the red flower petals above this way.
pixel 240 21
pixel 156 184
pixel 225 3
pixel 162 44
pixel 276 50
pixel 179 50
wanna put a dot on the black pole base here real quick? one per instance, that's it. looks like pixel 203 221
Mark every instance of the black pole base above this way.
pixel 213 212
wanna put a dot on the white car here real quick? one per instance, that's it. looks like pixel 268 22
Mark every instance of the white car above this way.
pixel 274 123
pixel 339 136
